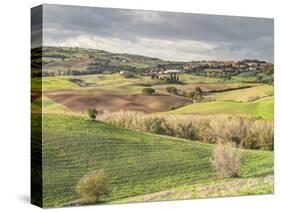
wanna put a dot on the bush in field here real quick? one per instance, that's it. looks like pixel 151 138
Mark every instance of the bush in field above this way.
pixel 148 91
pixel 198 91
pixel 249 133
pixel 92 113
pixel 246 132
pixel 155 125
pixel 172 90
pixel 195 95
pixel 128 75
pixel 259 135
pixel 226 129
pixel 198 98
pixel 92 186
pixel 226 160
pixel 198 94
pixel 190 94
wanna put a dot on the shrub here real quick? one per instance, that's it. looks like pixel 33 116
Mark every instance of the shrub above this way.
pixel 190 94
pixel 172 90
pixel 128 75
pixel 148 91
pixel 226 160
pixel 260 135
pixel 246 132
pixel 155 125
pixel 92 113
pixel 198 91
pixel 198 98
pixel 226 129
pixel 92 186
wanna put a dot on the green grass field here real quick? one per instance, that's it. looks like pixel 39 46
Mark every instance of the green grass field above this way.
pixel 113 83
pixel 110 81
pixel 106 79
pixel 116 79
pixel 46 105
pixel 116 83
pixel 262 108
pixel 191 78
pixel 138 163
pixel 51 83
pixel 245 95
pixel 142 166
pixel 207 189
pixel 251 79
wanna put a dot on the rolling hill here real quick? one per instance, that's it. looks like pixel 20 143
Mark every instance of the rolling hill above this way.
pixel 62 59
pixel 51 83
pixel 137 163
pixel 246 94
pixel 44 105
pixel 262 108
pixel 222 188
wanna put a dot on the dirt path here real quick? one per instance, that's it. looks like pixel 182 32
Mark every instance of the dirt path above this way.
pixel 227 187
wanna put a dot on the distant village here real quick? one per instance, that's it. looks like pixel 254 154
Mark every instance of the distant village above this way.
pixel 213 68
pixel 78 61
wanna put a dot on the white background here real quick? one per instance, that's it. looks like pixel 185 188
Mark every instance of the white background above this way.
pixel 14 105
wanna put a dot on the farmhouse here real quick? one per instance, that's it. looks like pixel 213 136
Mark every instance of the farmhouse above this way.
pixel 172 71
pixel 123 72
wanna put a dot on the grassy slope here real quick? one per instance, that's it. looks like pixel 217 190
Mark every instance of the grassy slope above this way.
pixel 245 95
pixel 242 79
pixel 262 108
pixel 138 163
pixel 114 83
pixel 110 82
pixel 118 60
pixel 106 79
pixel 190 78
pixel 117 84
pixel 49 83
pixel 46 105
pixel 221 188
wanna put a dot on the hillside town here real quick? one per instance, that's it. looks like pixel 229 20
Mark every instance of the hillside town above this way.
pixel 213 68
pixel 93 61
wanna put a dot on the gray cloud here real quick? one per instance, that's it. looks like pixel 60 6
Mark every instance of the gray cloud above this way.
pixel 36 26
pixel 187 36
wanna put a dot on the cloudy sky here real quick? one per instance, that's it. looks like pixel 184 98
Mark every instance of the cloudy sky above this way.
pixel 165 35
